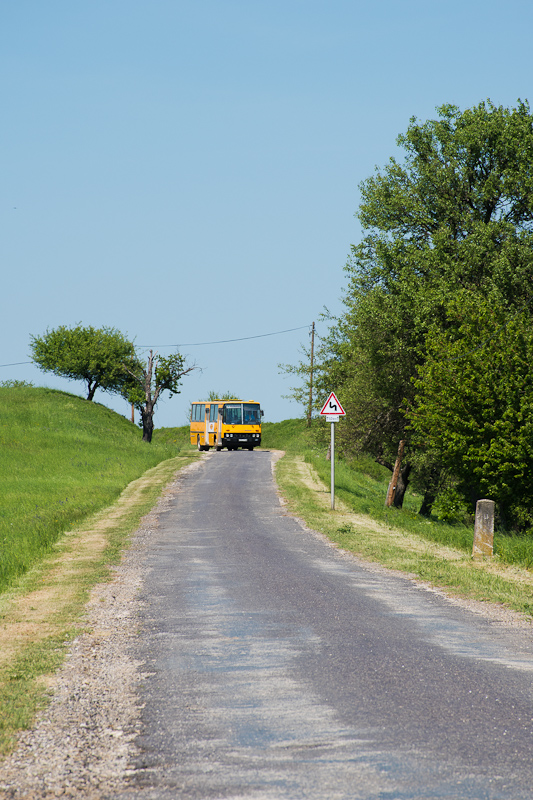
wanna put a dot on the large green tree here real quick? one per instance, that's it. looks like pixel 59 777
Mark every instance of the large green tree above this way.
pixel 96 356
pixel 455 214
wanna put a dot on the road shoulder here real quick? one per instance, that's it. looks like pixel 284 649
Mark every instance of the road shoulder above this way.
pixel 82 736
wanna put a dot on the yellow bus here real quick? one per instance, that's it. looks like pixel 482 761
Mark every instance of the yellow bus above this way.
pixel 226 423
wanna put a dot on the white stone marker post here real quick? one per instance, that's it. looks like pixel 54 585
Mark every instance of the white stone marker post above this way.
pixel 484 529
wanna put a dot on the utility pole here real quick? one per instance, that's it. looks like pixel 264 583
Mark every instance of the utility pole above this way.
pixel 310 410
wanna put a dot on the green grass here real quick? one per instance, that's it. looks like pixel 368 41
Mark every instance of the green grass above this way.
pixel 394 547
pixel 64 463
pixel 174 437
pixel 365 494
pixel 291 434
pixel 362 485
pixel 77 563
pixel 22 694
pixel 61 459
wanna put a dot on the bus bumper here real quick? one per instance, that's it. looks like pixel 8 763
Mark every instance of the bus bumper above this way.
pixel 247 440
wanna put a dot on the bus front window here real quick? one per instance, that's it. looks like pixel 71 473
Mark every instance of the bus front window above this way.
pixel 252 414
pixel 233 414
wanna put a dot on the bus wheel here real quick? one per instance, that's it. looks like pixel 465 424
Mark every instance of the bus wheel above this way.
pixel 198 445
pixel 251 447
pixel 218 448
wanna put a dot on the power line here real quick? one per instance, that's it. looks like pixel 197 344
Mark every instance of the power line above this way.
pixel 16 364
pixel 194 344
pixel 227 341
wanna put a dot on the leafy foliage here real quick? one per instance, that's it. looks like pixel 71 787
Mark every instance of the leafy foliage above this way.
pixel 94 355
pixel 224 396
pixel 454 219
pixel 474 404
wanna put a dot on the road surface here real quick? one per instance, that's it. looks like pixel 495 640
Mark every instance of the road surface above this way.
pixel 278 667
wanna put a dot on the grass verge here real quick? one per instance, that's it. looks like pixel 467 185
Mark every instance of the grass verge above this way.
pixel 43 612
pixel 388 542
pixel 62 458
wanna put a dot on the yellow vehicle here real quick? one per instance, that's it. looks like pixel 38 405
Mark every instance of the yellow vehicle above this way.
pixel 226 423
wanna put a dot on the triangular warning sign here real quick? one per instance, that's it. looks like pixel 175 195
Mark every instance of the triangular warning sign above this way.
pixel 332 406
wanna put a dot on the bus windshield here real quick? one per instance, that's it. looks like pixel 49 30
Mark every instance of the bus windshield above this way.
pixel 251 413
pixel 233 414
pixel 242 413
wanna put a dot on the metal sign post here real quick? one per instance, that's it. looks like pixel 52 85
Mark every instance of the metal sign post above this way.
pixel 332 450
pixel 332 410
pixel 333 419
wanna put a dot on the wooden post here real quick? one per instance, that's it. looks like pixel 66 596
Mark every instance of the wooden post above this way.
pixel 484 529
pixel 391 491
pixel 310 409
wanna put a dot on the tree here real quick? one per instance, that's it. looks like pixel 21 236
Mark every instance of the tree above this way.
pixel 456 214
pixel 147 383
pixel 93 355
pixel 224 396
pixel 474 405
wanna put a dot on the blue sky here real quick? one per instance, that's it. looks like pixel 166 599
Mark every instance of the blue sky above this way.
pixel 188 172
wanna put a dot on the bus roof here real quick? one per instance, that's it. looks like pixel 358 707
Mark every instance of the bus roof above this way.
pixel 226 400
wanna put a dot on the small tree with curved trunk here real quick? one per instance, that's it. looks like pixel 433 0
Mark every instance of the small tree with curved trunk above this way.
pixel 148 381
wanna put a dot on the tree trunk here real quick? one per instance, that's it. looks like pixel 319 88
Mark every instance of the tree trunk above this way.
pixel 147 410
pixel 393 485
pixel 427 503
pixel 147 415
pixel 433 481
pixel 401 485
pixel 91 389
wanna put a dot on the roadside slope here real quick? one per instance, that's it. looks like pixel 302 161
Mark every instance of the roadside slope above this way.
pixel 445 567
pixel 76 481
pixel 44 612
pixel 62 458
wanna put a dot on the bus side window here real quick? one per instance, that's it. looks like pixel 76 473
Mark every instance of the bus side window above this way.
pixel 198 412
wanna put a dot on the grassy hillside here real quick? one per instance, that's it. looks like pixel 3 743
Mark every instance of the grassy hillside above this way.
pixel 291 434
pixel 174 437
pixel 61 459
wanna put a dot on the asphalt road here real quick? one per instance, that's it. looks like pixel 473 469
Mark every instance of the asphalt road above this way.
pixel 277 667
